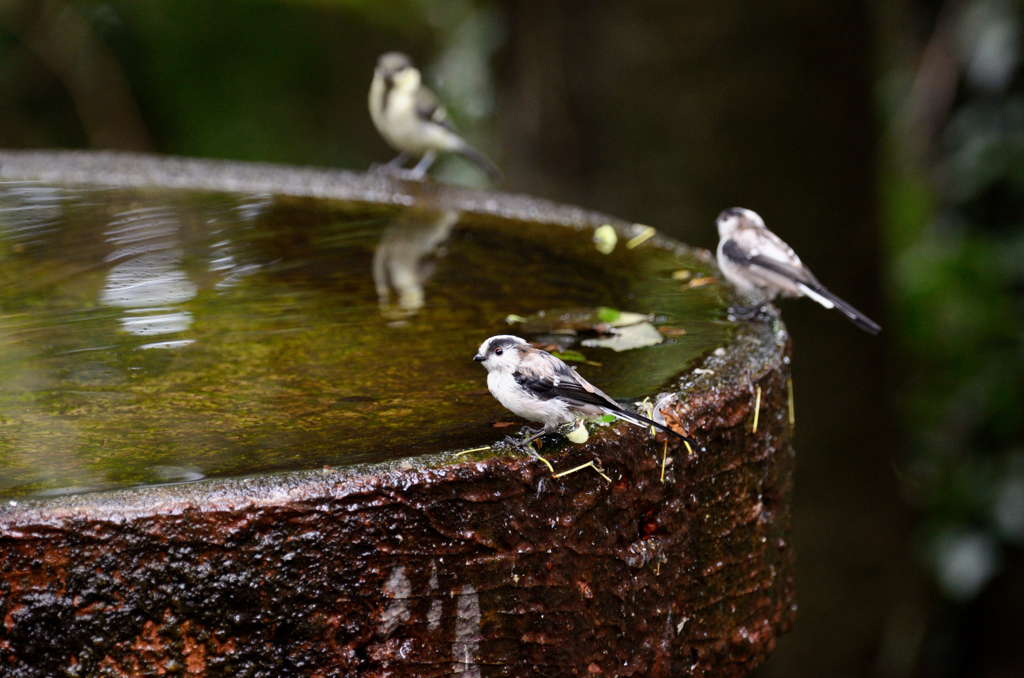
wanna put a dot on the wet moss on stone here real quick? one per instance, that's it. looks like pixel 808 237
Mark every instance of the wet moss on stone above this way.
pixel 280 357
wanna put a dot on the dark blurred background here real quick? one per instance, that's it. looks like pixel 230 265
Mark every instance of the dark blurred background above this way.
pixel 884 140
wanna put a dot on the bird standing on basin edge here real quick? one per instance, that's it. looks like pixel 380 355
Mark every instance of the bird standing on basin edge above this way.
pixel 761 265
pixel 413 121
pixel 537 386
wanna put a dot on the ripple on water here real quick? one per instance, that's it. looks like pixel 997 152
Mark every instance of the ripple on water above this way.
pixel 154 336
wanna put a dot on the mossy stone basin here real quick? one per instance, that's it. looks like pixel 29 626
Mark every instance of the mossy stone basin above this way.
pixel 241 432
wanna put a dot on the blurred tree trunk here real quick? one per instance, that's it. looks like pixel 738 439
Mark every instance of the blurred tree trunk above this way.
pixel 65 42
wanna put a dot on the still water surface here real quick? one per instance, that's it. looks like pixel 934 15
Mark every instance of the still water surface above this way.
pixel 154 336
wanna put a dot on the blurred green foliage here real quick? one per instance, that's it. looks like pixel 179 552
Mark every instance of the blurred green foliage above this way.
pixel 243 79
pixel 954 197
pixel 251 80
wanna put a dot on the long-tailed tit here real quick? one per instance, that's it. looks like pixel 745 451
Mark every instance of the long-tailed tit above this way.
pixel 412 120
pixel 757 262
pixel 537 386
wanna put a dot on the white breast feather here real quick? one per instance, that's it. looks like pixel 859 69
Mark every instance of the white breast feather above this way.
pixel 521 402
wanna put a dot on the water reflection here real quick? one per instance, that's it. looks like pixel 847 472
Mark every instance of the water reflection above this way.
pixel 29 212
pixel 149 283
pixel 406 258
pixel 225 255
pixel 313 330
pixel 224 264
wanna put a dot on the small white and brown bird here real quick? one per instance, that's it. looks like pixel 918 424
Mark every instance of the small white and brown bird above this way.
pixel 537 386
pixel 413 121
pixel 762 266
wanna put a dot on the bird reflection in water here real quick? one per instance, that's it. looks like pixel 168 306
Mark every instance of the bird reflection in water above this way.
pixel 406 258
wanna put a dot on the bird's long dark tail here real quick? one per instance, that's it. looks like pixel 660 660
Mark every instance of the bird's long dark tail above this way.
pixel 480 160
pixel 641 420
pixel 819 293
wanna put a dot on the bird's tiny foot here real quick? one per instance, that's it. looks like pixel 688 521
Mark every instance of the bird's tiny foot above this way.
pixel 414 174
pixel 420 170
pixel 408 174
pixel 389 170
pixel 393 164
pixel 749 313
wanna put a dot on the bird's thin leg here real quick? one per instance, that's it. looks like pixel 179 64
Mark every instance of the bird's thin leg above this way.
pixel 420 170
pixel 526 429
pixel 516 441
pixel 526 443
pixel 398 161
pixel 392 166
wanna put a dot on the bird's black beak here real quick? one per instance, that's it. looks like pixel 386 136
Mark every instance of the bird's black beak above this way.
pixel 479 358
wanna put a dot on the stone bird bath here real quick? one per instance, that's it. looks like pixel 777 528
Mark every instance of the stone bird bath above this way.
pixel 240 435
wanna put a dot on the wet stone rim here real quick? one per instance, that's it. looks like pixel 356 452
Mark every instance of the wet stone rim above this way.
pixel 133 170
pixel 448 565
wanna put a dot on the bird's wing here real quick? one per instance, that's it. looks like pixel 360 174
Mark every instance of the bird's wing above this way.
pixel 773 255
pixel 762 248
pixel 547 377
pixel 429 108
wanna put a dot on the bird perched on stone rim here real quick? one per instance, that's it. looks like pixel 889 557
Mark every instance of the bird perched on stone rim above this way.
pixel 762 266
pixel 537 386
pixel 413 121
